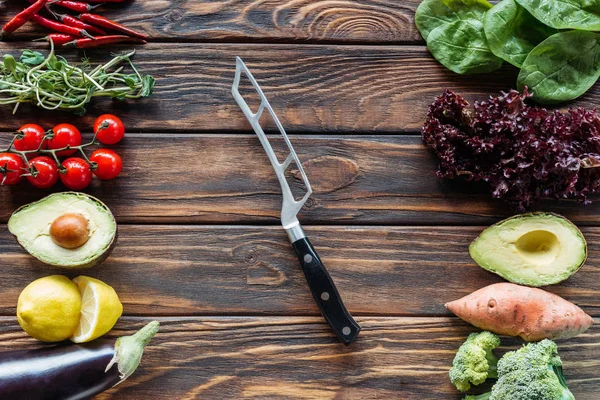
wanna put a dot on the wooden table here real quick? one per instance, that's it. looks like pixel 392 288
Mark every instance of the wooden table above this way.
pixel 200 248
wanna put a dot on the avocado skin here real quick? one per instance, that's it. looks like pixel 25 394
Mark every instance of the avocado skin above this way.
pixel 100 257
pixel 529 282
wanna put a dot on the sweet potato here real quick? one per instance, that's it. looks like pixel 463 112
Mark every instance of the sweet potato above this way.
pixel 513 310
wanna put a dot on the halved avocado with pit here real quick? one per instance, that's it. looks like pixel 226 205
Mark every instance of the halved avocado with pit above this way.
pixel 534 249
pixel 69 230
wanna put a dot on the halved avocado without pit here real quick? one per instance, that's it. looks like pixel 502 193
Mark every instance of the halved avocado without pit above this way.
pixel 69 230
pixel 534 249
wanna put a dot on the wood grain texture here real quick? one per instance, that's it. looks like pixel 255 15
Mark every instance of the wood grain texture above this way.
pixel 245 270
pixel 237 318
pixel 334 89
pixel 344 21
pixel 327 88
pixel 227 179
pixel 298 358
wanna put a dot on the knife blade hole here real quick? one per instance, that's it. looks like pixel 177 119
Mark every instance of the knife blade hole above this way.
pixel 275 138
pixel 308 258
pixel 249 93
pixel 325 296
pixel 346 330
pixel 296 181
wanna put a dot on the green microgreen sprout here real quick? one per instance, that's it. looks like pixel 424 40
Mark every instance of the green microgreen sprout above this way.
pixel 52 83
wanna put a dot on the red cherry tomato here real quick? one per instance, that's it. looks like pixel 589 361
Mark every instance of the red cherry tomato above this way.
pixel 46 174
pixel 15 164
pixel 64 135
pixel 78 174
pixel 109 164
pixel 32 138
pixel 109 129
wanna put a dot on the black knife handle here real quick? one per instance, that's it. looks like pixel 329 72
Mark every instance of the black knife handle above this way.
pixel 325 293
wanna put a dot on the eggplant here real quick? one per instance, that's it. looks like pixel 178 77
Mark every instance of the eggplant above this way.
pixel 72 371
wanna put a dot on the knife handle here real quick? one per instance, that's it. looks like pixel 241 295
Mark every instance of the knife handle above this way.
pixel 325 293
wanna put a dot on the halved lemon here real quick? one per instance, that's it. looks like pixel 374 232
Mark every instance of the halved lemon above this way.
pixel 100 309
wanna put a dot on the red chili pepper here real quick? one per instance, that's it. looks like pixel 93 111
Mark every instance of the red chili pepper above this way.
pixel 106 23
pixel 74 22
pixel 21 18
pixel 87 43
pixel 59 39
pixel 78 6
pixel 58 27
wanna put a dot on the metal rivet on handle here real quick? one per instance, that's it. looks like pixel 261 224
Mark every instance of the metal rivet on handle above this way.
pixel 325 296
pixel 308 258
pixel 346 330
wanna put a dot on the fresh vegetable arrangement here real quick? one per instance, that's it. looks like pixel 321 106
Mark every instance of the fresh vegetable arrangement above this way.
pixel 532 372
pixel 554 43
pixel 69 230
pixel 524 153
pixel 86 31
pixel 34 154
pixel 52 83
pixel 76 371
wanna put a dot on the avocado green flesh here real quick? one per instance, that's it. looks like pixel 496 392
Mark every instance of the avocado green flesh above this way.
pixel 31 226
pixel 532 249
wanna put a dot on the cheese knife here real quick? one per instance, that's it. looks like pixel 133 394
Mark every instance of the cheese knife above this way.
pixel 319 281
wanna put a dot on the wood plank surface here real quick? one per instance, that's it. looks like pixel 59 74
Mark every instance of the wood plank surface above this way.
pixel 326 88
pixel 342 21
pixel 198 206
pixel 246 270
pixel 313 88
pixel 298 358
pixel 227 179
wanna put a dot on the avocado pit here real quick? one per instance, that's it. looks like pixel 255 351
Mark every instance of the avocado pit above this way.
pixel 70 230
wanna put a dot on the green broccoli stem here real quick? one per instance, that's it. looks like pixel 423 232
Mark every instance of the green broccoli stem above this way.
pixel 484 396
pixel 492 364
pixel 566 394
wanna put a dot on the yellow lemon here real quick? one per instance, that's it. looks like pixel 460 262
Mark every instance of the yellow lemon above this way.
pixel 100 309
pixel 49 308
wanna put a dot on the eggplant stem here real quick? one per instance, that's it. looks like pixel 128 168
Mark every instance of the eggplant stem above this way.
pixel 129 350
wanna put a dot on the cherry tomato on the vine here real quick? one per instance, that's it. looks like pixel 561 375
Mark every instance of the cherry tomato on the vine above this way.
pixel 78 174
pixel 64 135
pixel 32 138
pixel 109 164
pixel 45 171
pixel 14 164
pixel 109 129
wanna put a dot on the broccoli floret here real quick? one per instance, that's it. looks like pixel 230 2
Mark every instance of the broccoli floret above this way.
pixel 534 372
pixel 474 362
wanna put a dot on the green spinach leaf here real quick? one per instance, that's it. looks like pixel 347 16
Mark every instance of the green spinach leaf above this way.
pixel 512 32
pixel 562 67
pixel 462 47
pixel 566 14
pixel 432 14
